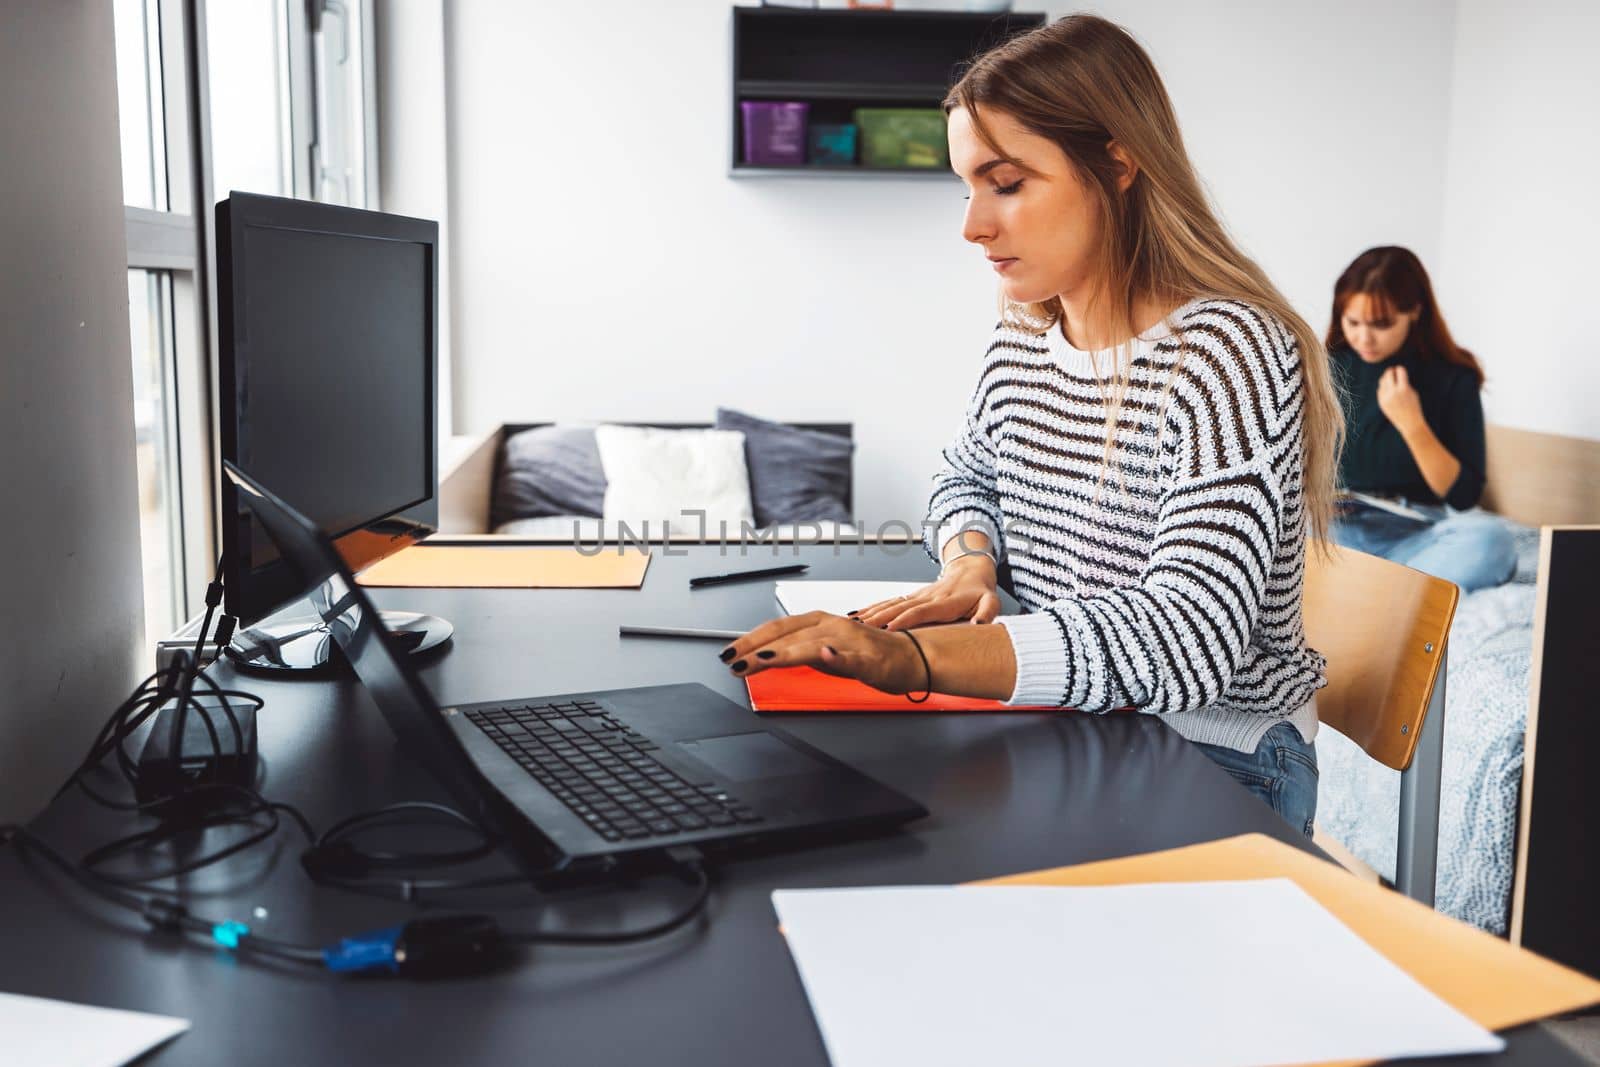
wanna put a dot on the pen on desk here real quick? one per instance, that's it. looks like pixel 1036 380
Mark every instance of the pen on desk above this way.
pixel 678 631
pixel 740 576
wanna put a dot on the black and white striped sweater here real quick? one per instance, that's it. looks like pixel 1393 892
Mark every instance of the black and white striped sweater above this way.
pixel 1170 583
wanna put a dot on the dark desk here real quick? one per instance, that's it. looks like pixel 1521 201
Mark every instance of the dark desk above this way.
pixel 1007 793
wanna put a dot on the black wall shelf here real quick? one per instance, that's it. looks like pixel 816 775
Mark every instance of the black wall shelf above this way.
pixel 837 61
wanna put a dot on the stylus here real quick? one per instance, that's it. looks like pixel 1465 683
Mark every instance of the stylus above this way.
pixel 678 631
pixel 740 576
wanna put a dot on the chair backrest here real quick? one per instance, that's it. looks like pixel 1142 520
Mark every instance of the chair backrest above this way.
pixel 1382 627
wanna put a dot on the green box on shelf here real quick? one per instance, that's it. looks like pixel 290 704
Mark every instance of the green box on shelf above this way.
pixel 907 137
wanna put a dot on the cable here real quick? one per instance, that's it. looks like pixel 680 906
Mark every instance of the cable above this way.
pixel 165 913
pixel 694 907
pixel 466 944
pixel 196 805
pixel 428 945
pixel 335 859
pixel 213 598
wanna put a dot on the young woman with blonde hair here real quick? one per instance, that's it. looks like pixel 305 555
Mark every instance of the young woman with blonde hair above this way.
pixel 1153 434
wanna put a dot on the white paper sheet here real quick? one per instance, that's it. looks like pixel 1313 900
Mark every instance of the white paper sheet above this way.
pixel 37 1031
pixel 838 598
pixel 1217 973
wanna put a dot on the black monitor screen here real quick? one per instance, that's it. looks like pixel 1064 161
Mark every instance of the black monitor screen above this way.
pixel 327 330
pixel 334 401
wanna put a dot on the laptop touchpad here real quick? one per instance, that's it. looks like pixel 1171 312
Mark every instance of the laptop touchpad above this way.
pixel 745 757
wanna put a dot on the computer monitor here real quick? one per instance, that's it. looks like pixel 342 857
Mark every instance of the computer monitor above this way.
pixel 328 340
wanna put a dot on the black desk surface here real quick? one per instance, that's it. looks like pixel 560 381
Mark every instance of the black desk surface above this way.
pixel 1007 793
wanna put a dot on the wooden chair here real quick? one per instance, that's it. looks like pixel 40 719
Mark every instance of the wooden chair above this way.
pixel 1383 627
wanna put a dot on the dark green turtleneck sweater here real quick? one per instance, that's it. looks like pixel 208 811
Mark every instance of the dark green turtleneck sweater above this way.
pixel 1376 459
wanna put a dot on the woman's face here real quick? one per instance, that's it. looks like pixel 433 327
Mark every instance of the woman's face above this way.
pixel 1373 335
pixel 1038 227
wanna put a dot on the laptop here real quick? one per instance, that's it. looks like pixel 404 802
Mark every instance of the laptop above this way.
pixel 587 782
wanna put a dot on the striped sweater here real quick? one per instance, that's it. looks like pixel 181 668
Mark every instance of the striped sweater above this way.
pixel 1170 583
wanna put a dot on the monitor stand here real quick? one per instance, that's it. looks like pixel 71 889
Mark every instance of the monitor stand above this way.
pixel 306 643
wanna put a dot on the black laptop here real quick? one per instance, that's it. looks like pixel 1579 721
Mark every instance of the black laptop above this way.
pixel 581 781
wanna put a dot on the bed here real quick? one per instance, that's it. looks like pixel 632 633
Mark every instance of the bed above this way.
pixel 1539 479
pixel 1486 710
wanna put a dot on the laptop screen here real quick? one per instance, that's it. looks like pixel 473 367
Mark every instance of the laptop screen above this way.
pixel 405 703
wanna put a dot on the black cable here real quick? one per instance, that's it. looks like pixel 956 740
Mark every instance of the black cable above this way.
pixel 197 806
pixel 346 828
pixel 213 598
pixel 336 860
pixel 430 944
pixel 163 913
pixel 444 944
pixel 695 906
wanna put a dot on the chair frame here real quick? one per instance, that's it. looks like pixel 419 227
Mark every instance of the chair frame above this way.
pixel 1417 855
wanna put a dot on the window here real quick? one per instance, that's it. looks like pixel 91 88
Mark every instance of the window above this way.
pixel 146 157
pixel 144 178
pixel 292 105
pixel 247 56
pixel 292 114
pixel 160 537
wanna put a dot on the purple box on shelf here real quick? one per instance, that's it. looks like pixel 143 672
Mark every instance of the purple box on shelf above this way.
pixel 774 132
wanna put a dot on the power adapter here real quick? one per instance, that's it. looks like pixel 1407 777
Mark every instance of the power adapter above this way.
pixel 169 766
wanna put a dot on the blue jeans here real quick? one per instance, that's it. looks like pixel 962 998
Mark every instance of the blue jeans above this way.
pixel 1281 771
pixel 1470 548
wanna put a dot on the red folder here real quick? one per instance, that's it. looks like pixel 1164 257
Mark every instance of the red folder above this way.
pixel 808 689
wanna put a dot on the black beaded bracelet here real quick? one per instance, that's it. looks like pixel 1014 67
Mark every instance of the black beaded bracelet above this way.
pixel 927 689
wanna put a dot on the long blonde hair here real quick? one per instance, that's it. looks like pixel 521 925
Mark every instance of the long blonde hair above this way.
pixel 1083 82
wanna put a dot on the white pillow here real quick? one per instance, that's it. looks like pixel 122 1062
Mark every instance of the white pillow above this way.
pixel 656 475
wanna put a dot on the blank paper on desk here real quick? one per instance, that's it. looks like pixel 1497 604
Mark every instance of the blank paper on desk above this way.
pixel 508 567
pixel 38 1031
pixel 836 597
pixel 1214 973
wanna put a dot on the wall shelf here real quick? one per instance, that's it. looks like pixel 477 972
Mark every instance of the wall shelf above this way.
pixel 837 61
pixel 755 89
pixel 824 170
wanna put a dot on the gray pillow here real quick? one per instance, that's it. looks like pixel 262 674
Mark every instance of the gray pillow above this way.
pixel 549 470
pixel 795 475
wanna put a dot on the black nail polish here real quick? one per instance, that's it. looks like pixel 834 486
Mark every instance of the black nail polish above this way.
pixel 853 614
pixel 830 648
pixel 726 654
pixel 885 626
pixel 765 653
pixel 740 665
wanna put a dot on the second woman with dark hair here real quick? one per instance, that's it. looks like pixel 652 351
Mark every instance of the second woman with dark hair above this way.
pixel 1413 464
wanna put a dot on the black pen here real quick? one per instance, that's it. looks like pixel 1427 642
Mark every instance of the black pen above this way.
pixel 740 576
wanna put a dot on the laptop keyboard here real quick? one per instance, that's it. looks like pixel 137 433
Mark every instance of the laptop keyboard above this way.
pixel 604 771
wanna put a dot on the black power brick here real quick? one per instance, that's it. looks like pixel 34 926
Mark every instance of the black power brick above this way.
pixel 218 747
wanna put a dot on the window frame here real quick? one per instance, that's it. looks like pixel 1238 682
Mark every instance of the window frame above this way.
pixel 176 244
pixel 179 243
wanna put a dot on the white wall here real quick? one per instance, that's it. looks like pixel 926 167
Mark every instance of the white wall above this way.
pixel 1522 210
pixel 607 266
pixel 1319 128
pixel 413 163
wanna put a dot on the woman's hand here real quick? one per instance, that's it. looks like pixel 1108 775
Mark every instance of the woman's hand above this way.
pixel 832 644
pixel 1399 401
pixel 966 590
